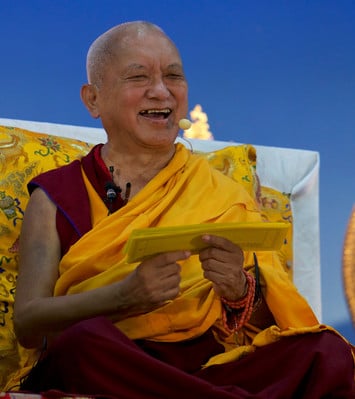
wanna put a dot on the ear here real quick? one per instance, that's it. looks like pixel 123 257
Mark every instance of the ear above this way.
pixel 88 94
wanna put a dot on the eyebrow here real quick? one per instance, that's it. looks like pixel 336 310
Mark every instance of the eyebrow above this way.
pixel 138 67
pixel 133 67
pixel 176 66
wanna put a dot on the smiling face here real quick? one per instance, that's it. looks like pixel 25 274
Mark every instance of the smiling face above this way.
pixel 142 91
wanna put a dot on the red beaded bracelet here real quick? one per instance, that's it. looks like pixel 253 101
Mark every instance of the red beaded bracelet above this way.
pixel 237 319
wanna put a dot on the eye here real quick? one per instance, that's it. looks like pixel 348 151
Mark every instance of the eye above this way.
pixel 175 76
pixel 137 78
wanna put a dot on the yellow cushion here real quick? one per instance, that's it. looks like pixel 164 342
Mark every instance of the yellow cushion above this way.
pixel 275 206
pixel 237 162
pixel 23 155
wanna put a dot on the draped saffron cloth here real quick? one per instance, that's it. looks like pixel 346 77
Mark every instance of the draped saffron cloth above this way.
pixel 186 191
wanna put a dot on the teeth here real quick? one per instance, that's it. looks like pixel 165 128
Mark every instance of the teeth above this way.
pixel 157 111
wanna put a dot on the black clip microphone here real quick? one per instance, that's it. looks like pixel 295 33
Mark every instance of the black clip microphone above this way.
pixel 111 191
pixel 111 194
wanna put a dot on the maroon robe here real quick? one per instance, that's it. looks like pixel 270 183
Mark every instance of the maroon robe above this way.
pixel 94 358
pixel 73 207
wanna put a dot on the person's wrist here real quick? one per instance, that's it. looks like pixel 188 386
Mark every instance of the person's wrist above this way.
pixel 237 303
pixel 237 313
pixel 242 292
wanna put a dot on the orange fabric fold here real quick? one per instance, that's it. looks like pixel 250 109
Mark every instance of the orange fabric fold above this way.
pixel 180 194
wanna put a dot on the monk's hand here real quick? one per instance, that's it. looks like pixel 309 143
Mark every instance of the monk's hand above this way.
pixel 222 263
pixel 154 282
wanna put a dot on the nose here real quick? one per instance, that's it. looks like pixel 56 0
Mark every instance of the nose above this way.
pixel 158 89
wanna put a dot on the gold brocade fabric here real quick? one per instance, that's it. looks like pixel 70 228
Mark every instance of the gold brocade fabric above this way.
pixel 23 155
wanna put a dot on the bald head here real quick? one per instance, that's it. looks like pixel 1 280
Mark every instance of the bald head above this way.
pixel 107 46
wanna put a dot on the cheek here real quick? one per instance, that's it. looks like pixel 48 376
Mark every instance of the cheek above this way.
pixel 182 97
pixel 185 96
pixel 185 109
pixel 131 100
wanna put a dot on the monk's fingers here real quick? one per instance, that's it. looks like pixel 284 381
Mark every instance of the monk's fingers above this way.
pixel 163 259
pixel 162 267
pixel 228 278
pixel 159 278
pixel 220 242
pixel 230 288
pixel 221 250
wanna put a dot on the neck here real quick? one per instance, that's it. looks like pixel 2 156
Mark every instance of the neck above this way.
pixel 137 169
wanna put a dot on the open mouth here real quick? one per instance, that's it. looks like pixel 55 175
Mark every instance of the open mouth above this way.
pixel 156 113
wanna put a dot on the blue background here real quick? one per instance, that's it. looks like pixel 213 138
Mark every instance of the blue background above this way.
pixel 277 73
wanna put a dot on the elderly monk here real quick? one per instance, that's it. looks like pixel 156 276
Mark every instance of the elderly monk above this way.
pixel 177 324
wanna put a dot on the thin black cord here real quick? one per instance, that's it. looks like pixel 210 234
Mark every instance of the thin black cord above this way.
pixel 257 277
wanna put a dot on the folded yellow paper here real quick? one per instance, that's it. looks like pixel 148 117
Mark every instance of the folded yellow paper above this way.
pixel 250 236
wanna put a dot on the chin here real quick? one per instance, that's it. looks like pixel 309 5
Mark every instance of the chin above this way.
pixel 165 138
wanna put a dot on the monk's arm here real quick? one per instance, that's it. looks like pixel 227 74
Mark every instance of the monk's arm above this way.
pixel 37 313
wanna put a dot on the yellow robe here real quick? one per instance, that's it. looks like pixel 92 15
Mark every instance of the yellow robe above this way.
pixel 186 191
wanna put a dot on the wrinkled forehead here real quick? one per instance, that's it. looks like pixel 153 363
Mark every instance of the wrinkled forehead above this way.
pixel 145 49
pixel 129 41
